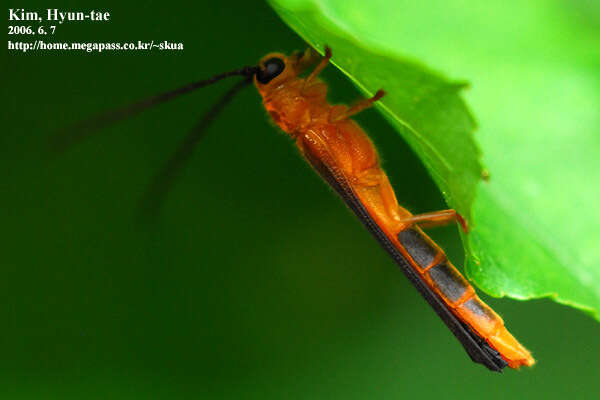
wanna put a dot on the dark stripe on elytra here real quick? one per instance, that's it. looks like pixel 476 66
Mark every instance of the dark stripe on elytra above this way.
pixel 478 308
pixel 448 281
pixel 418 247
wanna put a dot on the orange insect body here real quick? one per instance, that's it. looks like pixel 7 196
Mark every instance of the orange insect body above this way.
pixel 330 140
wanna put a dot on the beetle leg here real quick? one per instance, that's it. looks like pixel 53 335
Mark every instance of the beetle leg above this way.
pixel 322 64
pixel 305 59
pixel 435 218
pixel 358 107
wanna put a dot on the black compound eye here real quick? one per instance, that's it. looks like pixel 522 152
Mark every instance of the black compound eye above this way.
pixel 273 67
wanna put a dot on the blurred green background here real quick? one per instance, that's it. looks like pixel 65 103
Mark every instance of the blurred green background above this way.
pixel 255 282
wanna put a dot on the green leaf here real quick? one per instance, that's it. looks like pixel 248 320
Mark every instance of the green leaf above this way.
pixel 534 68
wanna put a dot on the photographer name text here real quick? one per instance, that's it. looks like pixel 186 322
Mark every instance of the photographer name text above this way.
pixel 56 15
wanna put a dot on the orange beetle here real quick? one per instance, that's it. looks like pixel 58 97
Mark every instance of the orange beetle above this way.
pixel 344 156
pixel 341 152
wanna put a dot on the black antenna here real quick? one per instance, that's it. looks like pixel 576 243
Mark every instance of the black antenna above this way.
pixel 163 180
pixel 71 135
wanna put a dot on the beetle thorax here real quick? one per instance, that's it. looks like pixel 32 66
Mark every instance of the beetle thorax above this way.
pixel 291 108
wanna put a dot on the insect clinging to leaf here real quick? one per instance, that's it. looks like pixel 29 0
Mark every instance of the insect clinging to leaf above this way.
pixel 343 155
